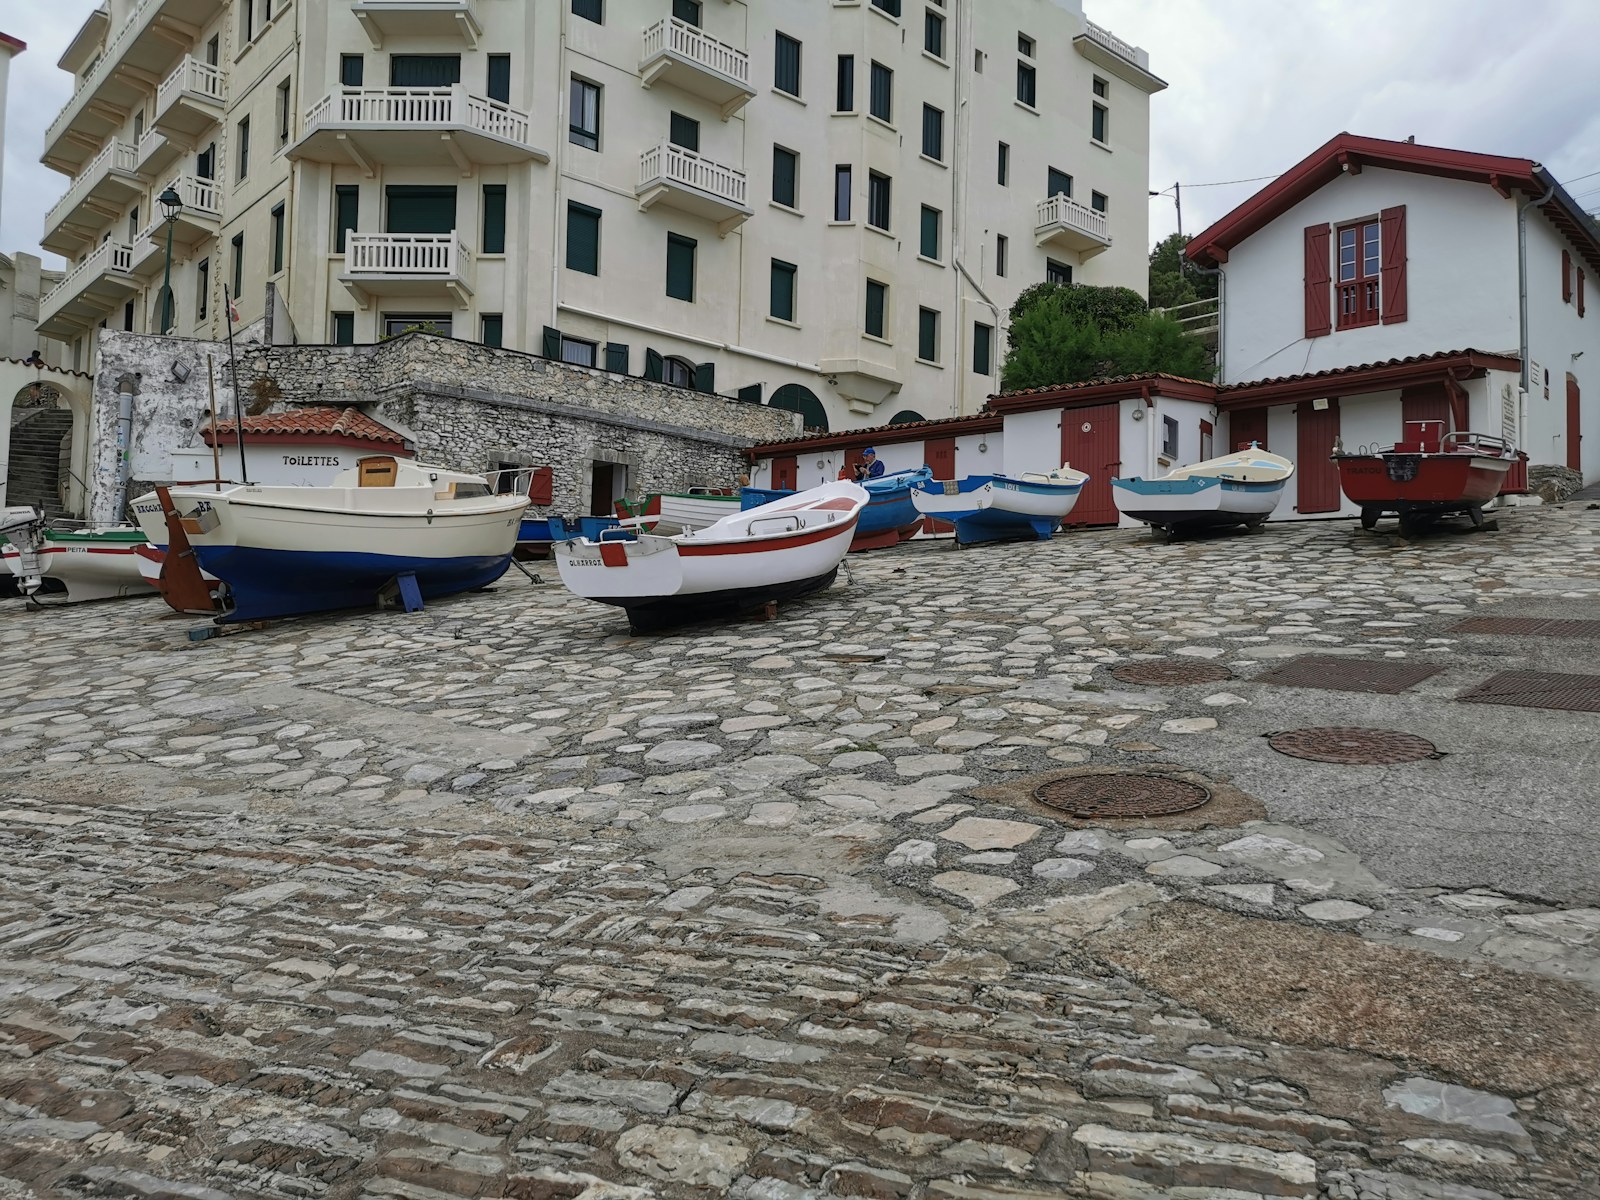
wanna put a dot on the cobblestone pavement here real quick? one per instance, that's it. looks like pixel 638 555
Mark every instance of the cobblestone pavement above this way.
pixel 496 900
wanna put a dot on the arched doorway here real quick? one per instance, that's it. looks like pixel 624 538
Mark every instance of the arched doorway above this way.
pixel 906 416
pixel 796 398
pixel 44 442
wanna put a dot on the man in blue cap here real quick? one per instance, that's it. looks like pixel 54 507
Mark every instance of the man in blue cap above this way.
pixel 869 467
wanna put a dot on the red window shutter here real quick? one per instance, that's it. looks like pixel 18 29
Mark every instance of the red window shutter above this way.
pixel 1580 291
pixel 1566 278
pixel 541 485
pixel 1393 288
pixel 1319 308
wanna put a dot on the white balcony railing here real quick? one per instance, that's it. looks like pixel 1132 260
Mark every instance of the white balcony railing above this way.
pixel 102 66
pixel 117 156
pixel 672 164
pixel 435 254
pixel 114 257
pixel 192 75
pixel 672 36
pixel 420 107
pixel 200 195
pixel 1064 211
pixel 1104 37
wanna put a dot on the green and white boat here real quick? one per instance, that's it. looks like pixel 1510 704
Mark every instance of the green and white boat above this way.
pixel 70 565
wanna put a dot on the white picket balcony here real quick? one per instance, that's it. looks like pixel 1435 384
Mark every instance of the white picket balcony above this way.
pixel 199 218
pixel 682 179
pixel 100 283
pixel 95 197
pixel 429 19
pixel 190 100
pixel 368 126
pixel 1116 57
pixel 407 264
pixel 1064 222
pixel 693 61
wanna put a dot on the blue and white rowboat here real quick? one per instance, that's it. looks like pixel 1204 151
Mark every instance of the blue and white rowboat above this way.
pixel 995 508
pixel 1236 489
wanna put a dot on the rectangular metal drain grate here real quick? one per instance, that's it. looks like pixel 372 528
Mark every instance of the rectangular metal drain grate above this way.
pixel 1528 627
pixel 1538 689
pixel 1338 674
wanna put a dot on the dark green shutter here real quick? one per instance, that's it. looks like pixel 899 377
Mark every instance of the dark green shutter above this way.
pixel 680 267
pixel 552 343
pixel 493 329
pixel 351 69
pixel 684 131
pixel 1059 183
pixel 424 70
pixel 277 238
pixel 981 349
pixel 783 175
pixel 787 65
pixel 930 232
pixel 494 218
pixel 583 238
pixel 783 275
pixel 498 81
pixel 420 209
pixel 927 335
pixel 932 132
pixel 344 329
pixel 687 11
pixel 876 294
pixel 654 365
pixel 346 213
pixel 705 378
pixel 617 357
pixel 845 99
pixel 751 394
pixel 590 10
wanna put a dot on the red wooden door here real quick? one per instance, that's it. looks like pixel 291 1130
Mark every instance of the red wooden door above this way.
pixel 1091 441
pixel 1247 425
pixel 940 456
pixel 1574 426
pixel 1426 402
pixel 1207 436
pixel 1318 474
pixel 784 472
pixel 851 458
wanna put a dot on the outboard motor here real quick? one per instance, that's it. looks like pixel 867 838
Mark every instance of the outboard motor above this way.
pixel 24 529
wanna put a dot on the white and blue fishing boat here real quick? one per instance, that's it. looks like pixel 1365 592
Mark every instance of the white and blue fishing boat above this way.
pixel 1236 489
pixel 889 517
pixel 998 508
pixel 284 550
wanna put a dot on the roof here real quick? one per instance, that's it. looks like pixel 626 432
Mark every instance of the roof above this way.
pixel 1093 391
pixel 1348 153
pixel 1388 374
pixel 13 44
pixel 905 431
pixel 315 424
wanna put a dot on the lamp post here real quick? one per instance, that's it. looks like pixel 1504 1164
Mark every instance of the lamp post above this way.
pixel 171 205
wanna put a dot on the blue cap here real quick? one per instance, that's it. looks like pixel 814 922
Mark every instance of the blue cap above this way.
pixel 871 451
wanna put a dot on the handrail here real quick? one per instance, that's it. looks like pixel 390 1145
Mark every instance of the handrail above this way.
pixel 750 530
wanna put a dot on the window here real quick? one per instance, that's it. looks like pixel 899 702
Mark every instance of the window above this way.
pixel 878 206
pixel 977 62
pixel 394 324
pixel 1566 277
pixel 133 223
pixel 238 264
pixel 344 329
pixel 414 208
pixel 127 314
pixel 202 282
pixel 841 193
pixel 494 218
pixel 1097 201
pixel 584 121
pixel 1101 88
pixel 785 169
pixel 583 238
pixel 933 33
pixel 983 349
pixel 492 329
pixel 877 302
pixel 205 163
pixel 677 372
pixel 1097 124
pixel 880 103
pixel 687 11
pixel 1005 165
pixel 845 94
pixel 684 131
pixel 277 238
pixel 247 20
pixel 1058 183
pixel 1024 45
pixel 243 159
pixel 351 70
pixel 680 267
pixel 892 7
pixel 933 132
pixel 930 232
pixel 213 49
pixel 138 127
pixel 783 275
pixel 1056 272
pixel 927 335
pixel 1027 89
pixel 786 65
pixel 1359 265
pixel 283 113
pixel 424 70
pixel 577 351
pixel 1002 246
pixel 346 207
pixel 589 10
pixel 1169 437
pixel 497 80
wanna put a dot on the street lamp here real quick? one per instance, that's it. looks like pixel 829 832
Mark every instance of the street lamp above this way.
pixel 171 205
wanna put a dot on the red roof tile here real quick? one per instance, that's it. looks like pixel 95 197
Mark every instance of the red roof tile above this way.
pixel 903 431
pixel 349 423
pixel 1145 377
pixel 1506 360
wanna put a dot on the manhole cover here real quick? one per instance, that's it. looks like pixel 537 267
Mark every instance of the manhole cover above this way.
pixel 1340 674
pixel 1538 689
pixel 1170 672
pixel 1364 747
pixel 1528 627
pixel 1121 795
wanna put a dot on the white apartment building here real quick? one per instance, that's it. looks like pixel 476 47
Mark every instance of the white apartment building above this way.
pixel 827 205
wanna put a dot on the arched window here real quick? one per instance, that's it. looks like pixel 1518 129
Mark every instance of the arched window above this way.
pixel 905 416
pixel 794 397
pixel 677 372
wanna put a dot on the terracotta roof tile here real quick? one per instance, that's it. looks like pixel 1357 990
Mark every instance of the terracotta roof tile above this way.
pixel 1357 368
pixel 1144 377
pixel 316 422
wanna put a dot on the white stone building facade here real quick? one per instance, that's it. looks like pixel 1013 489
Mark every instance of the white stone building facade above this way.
pixel 827 205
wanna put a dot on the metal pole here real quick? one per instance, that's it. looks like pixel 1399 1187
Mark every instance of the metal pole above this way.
pixel 238 400
pixel 216 454
pixel 1177 200
pixel 166 282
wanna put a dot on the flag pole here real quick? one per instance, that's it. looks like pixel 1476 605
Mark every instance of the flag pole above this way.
pixel 238 399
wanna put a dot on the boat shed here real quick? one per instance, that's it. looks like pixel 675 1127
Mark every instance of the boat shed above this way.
pixel 302 447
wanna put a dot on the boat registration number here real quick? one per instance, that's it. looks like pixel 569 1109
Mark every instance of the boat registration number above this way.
pixel 585 562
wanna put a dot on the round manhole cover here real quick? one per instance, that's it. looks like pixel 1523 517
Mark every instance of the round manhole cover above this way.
pixel 1356 747
pixel 1171 672
pixel 1121 795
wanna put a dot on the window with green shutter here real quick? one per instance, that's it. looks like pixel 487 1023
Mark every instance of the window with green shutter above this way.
pixel 1058 183
pixel 785 167
pixel 617 357
pixel 420 209
pixel 982 347
pixel 497 82
pixel 493 329
pixel 494 218
pixel 583 238
pixel 786 66
pixel 930 232
pixel 351 69
pixel 927 335
pixel 687 11
pixel 277 238
pixel 590 10
pixel 880 99
pixel 933 33
pixel 845 97
pixel 680 267
pixel 879 204
pixel 344 329
pixel 933 132
pixel 877 304
pixel 424 70
pixel 684 131
pixel 783 276
pixel 346 212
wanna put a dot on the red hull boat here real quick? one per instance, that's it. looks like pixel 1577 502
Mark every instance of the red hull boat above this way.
pixel 1428 476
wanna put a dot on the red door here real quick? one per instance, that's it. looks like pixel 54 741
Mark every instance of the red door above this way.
pixel 784 472
pixel 1091 441
pixel 1248 425
pixel 1574 427
pixel 1426 402
pixel 1316 431
pixel 940 456
pixel 1207 434
pixel 851 458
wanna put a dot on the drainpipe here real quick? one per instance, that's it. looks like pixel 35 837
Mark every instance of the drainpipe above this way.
pixel 558 241
pixel 125 388
pixel 1221 277
pixel 1522 283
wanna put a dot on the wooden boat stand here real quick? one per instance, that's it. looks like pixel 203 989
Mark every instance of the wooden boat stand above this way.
pixel 181 584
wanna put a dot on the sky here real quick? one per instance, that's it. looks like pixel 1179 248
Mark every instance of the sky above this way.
pixel 1255 85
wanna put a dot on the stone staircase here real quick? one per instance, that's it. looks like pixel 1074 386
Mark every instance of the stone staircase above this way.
pixel 33 473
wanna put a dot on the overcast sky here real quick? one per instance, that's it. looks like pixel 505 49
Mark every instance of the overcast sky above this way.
pixel 1255 86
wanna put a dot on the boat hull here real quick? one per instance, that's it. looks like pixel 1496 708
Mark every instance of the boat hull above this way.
pixel 87 566
pixel 1197 503
pixel 889 518
pixel 993 508
pixel 1421 486
pixel 670 612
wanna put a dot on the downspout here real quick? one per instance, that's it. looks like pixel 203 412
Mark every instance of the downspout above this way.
pixel 1522 286
pixel 557 225
pixel 1150 433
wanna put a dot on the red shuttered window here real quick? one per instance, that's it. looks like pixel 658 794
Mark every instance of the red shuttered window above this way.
pixel 1566 277
pixel 1356 276
pixel 1359 263
pixel 1319 322
pixel 1393 290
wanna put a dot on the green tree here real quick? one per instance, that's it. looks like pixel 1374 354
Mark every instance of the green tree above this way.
pixel 1174 281
pixel 1061 333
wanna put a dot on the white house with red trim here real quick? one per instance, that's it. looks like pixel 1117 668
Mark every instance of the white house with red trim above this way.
pixel 1378 281
pixel 301 447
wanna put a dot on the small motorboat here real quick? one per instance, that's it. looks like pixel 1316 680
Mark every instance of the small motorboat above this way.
pixel 789 547
pixel 889 517
pixel 384 525
pixel 1236 489
pixel 69 566
pixel 678 512
pixel 1428 475
pixel 997 508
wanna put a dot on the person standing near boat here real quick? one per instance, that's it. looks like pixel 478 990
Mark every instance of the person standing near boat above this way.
pixel 869 467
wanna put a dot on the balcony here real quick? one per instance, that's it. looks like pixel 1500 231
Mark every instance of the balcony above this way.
pixel 190 100
pixel 89 291
pixel 434 19
pixel 369 127
pixel 681 179
pixel 677 53
pixel 95 197
pixel 1064 222
pixel 197 221
pixel 407 264
pixel 1116 57
pixel 141 53
pixel 156 152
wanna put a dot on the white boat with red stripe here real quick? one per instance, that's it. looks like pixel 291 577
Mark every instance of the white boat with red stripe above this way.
pixel 786 548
